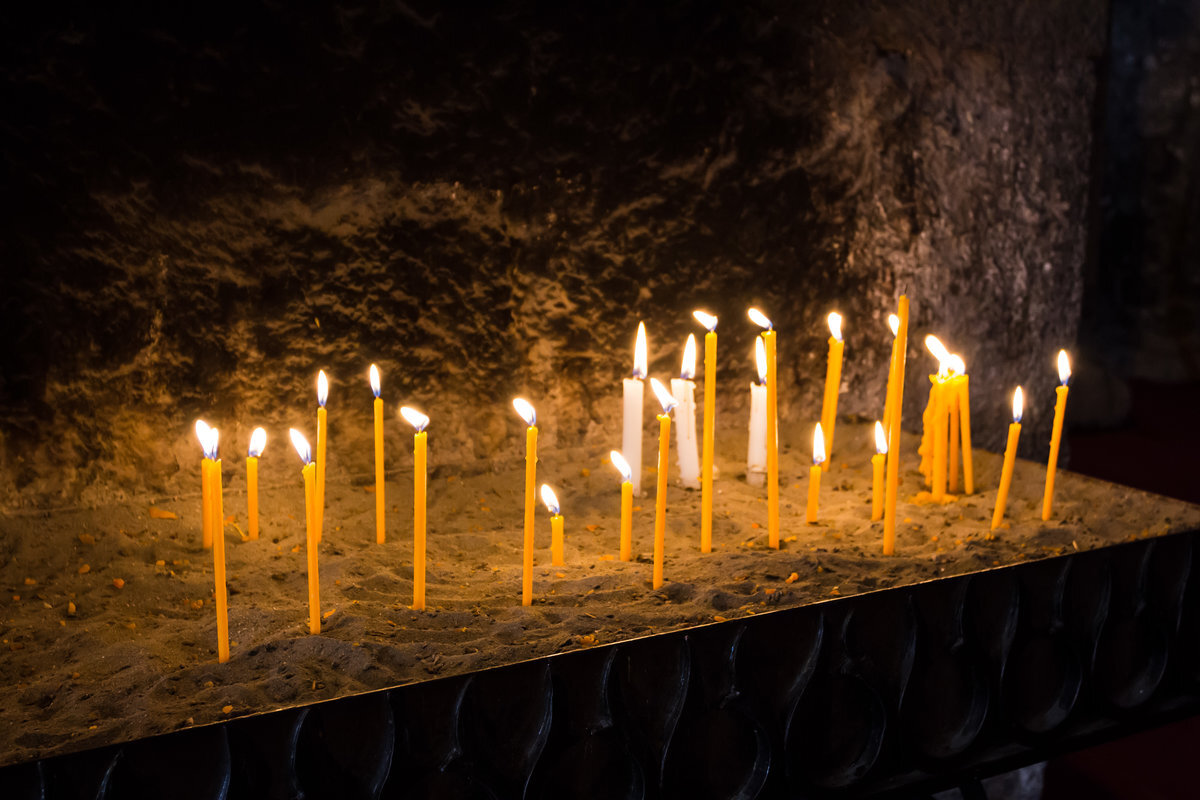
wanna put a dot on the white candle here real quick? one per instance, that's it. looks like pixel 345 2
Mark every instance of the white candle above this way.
pixel 631 440
pixel 684 390
pixel 756 452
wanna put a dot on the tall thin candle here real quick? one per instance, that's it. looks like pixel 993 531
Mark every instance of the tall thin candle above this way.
pixel 631 436
pixel 899 358
pixel 1060 411
pixel 684 390
pixel 660 501
pixel 322 437
pixel 258 442
pixel 710 415
pixel 527 413
pixel 833 382
pixel 380 533
pixel 756 442
pixel 309 472
pixel 1010 458
pixel 768 336
pixel 894 325
pixel 420 476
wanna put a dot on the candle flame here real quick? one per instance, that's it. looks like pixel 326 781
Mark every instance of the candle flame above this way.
pixel 894 324
pixel 375 379
pixel 639 352
pixel 760 359
pixel 622 466
pixel 759 318
pixel 934 345
pixel 1018 404
pixel 322 388
pixel 818 445
pixel 414 418
pixel 956 365
pixel 688 370
pixel 881 443
pixel 202 433
pixel 835 325
pixel 525 409
pixel 549 498
pixel 258 442
pixel 214 441
pixel 706 319
pixel 665 399
pixel 301 445
pixel 1064 367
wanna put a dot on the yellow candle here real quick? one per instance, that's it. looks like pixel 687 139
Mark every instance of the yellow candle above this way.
pixel 964 411
pixel 894 324
pixel 952 451
pixel 420 475
pixel 928 426
pixel 900 353
pixel 216 512
pixel 768 336
pixel 258 442
pixel 660 500
pixel 941 432
pixel 1010 458
pixel 556 525
pixel 814 474
pixel 219 568
pixel 322 436
pixel 1060 410
pixel 833 381
pixel 310 519
pixel 528 414
pixel 380 533
pixel 877 479
pixel 622 467
pixel 710 413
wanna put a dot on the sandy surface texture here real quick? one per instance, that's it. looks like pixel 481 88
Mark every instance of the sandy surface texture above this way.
pixel 108 628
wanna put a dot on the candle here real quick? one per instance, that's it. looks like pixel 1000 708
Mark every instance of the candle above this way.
pixel 814 474
pixel 964 413
pixel 833 382
pixel 710 414
pixel 631 439
pixel 258 442
pixel 622 467
pixel 756 447
pixel 684 390
pixel 877 462
pixel 768 337
pixel 660 501
pixel 894 324
pixel 556 525
pixel 217 527
pixel 899 358
pixel 929 420
pixel 380 534
pixel 1060 410
pixel 526 412
pixel 322 436
pixel 309 471
pixel 418 421
pixel 1010 458
pixel 204 434
pixel 951 400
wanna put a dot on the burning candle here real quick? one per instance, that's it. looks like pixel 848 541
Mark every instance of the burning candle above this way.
pixel 683 389
pixel 526 412
pixel 1010 458
pixel 756 447
pixel 1060 410
pixel 322 436
pixel 877 463
pixel 309 471
pixel 418 421
pixel 217 533
pixel 556 525
pixel 622 467
pixel 768 337
pixel 204 434
pixel 660 502
pixel 710 413
pixel 380 534
pixel 937 419
pixel 833 382
pixel 899 357
pixel 894 325
pixel 258 442
pixel 631 439
pixel 814 474
pixel 963 405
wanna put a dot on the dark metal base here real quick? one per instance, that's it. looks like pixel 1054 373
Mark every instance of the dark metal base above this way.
pixel 906 690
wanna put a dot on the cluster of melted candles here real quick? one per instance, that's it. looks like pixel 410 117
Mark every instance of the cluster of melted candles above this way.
pixel 946 427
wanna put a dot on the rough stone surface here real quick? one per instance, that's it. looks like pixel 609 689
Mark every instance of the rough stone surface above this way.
pixel 201 212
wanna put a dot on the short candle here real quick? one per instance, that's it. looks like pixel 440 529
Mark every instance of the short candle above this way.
pixel 556 525
pixel 622 466
pixel 814 474
pixel 877 479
